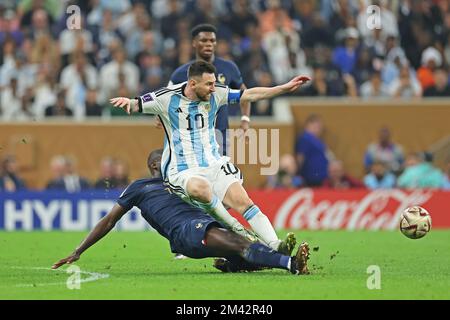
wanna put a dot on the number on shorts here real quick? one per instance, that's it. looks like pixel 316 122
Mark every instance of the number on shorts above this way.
pixel 230 168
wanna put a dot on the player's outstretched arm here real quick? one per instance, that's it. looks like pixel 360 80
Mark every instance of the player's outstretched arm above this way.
pixel 101 229
pixel 127 104
pixel 259 93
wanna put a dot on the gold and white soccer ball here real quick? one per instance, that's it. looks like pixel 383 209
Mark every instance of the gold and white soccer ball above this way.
pixel 415 222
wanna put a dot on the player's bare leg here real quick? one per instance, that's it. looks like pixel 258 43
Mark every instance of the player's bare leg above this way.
pixel 237 198
pixel 199 189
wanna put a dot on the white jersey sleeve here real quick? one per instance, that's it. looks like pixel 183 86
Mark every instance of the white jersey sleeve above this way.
pixel 150 103
pixel 226 95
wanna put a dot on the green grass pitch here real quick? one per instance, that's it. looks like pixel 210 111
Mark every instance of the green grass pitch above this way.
pixel 140 266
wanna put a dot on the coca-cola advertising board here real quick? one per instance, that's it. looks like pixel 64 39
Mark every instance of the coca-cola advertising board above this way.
pixel 349 209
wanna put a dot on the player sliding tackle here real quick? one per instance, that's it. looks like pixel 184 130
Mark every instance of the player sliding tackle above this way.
pixel 190 231
pixel 191 162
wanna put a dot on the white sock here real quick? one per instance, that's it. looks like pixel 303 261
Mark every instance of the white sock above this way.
pixel 262 226
pixel 216 209
pixel 289 264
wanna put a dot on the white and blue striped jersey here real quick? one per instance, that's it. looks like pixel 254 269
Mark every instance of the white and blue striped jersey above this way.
pixel 189 126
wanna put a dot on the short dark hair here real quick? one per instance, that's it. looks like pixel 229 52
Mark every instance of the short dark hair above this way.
pixel 204 27
pixel 198 68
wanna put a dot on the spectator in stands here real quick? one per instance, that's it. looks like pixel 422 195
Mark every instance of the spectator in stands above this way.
pixel 137 41
pixel 45 92
pixel 342 13
pixel 345 56
pixel 386 151
pixel 286 58
pixel 338 179
pixel 57 168
pixel 121 173
pixel 65 177
pixel 431 59
pixel 379 177
pixel 20 68
pixel 16 106
pixel 45 52
pixel 107 180
pixel 318 33
pixel 240 18
pixel 406 85
pixel 286 176
pixel 10 28
pixel 168 27
pixel 204 13
pixel 394 61
pixel 319 86
pixel 274 16
pixel 323 56
pixel 73 182
pixel 10 100
pixel 106 36
pixel 92 107
pixel 7 59
pixel 76 79
pixel 116 73
pixel 421 173
pixel 41 24
pixel 72 40
pixel 374 88
pixel 364 66
pixel 9 178
pixel 60 108
pixel 441 87
pixel 311 152
pixel 26 112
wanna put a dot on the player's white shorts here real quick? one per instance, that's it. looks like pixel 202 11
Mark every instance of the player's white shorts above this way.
pixel 220 176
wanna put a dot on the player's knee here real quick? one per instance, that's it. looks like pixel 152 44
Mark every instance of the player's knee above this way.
pixel 200 190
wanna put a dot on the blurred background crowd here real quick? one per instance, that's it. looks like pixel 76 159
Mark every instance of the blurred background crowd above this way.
pixel 385 163
pixel 128 47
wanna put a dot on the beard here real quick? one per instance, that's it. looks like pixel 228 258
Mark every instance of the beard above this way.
pixel 203 97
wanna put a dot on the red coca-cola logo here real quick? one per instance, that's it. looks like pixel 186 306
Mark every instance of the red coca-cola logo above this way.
pixel 375 210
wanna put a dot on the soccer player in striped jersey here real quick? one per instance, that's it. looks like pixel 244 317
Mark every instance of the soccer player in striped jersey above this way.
pixel 227 73
pixel 191 163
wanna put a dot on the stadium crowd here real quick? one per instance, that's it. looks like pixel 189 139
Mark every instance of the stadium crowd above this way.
pixel 386 165
pixel 126 47
pixel 314 165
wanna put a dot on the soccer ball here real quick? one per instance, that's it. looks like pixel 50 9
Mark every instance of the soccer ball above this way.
pixel 415 222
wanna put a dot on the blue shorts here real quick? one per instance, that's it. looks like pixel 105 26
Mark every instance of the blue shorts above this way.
pixel 189 240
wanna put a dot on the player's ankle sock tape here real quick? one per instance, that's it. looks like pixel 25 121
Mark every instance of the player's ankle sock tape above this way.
pixel 260 254
pixel 251 212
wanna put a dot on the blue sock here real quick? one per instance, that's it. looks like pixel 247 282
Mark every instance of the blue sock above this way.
pixel 262 255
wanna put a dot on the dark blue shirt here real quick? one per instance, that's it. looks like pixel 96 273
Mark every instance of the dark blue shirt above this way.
pixel 315 164
pixel 227 74
pixel 163 210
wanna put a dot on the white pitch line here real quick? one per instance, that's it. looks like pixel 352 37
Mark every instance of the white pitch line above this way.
pixel 93 276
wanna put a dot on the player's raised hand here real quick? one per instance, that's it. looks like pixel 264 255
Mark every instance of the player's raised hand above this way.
pixel 121 102
pixel 72 258
pixel 295 83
